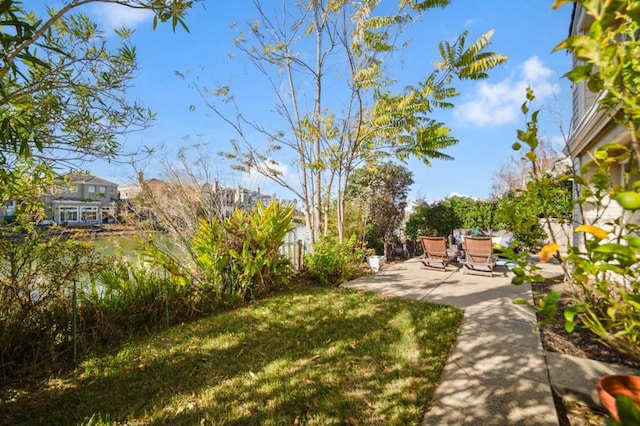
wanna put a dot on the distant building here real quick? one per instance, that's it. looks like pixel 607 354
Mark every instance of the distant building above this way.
pixel 7 210
pixel 247 199
pixel 82 199
pixel 222 199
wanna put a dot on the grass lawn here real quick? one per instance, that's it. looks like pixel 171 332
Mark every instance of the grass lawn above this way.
pixel 311 356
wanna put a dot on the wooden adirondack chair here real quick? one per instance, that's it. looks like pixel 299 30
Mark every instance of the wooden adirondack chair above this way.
pixel 479 256
pixel 435 253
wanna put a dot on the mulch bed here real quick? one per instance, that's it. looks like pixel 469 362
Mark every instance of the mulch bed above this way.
pixel 580 343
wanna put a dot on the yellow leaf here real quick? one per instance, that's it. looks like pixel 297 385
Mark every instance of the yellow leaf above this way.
pixel 599 233
pixel 548 251
pixel 559 3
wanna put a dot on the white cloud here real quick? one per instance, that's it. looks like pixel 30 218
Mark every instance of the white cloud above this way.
pixel 499 103
pixel 534 70
pixel 111 16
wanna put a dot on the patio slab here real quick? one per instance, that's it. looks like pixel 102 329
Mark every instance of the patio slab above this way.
pixel 497 372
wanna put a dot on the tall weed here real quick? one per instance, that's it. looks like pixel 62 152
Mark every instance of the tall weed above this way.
pixel 124 299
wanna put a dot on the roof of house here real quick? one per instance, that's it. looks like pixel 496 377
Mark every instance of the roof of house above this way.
pixel 87 178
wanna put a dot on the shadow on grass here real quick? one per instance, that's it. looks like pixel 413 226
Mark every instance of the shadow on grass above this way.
pixel 317 355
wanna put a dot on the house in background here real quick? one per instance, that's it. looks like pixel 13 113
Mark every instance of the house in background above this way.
pixel 130 197
pixel 591 128
pixel 227 199
pixel 82 199
pixel 223 199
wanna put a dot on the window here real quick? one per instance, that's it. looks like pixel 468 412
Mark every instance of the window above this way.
pixel 89 214
pixel 68 214
pixel 103 190
pixel 106 214
pixel 91 189
pixel 112 190
pixel 617 174
pixel 70 188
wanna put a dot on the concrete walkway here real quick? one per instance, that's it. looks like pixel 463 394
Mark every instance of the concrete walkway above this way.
pixel 498 372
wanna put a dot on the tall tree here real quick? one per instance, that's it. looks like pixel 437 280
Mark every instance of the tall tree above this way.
pixel 344 45
pixel 62 90
pixel 381 191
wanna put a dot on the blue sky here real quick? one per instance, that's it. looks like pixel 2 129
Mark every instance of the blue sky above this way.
pixel 484 120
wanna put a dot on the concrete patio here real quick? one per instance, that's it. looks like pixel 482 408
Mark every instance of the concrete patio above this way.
pixel 498 372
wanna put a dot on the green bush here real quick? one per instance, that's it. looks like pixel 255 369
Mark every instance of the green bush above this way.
pixel 442 217
pixel 235 259
pixel 241 256
pixel 603 267
pixel 332 262
pixel 523 211
pixel 125 299
pixel 37 270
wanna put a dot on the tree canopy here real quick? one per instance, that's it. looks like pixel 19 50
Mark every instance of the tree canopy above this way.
pixel 380 192
pixel 63 87
pixel 299 52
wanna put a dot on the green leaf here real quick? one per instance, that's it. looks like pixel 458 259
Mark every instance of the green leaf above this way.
pixel 627 411
pixel 5 5
pixel 552 298
pixel 634 300
pixel 579 73
pixel 614 249
pixel 534 119
pixel 569 316
pixel 521 302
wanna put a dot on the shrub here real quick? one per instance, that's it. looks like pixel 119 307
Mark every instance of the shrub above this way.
pixel 604 270
pixel 235 258
pixel 442 217
pixel 37 270
pixel 332 262
pixel 125 299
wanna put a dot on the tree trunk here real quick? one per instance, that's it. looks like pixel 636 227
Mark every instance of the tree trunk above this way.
pixel 340 214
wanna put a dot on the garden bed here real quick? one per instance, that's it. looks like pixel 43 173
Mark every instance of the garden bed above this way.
pixel 581 343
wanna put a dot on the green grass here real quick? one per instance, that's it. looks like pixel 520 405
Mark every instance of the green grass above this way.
pixel 318 355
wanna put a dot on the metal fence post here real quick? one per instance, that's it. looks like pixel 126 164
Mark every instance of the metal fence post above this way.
pixel 166 298
pixel 74 321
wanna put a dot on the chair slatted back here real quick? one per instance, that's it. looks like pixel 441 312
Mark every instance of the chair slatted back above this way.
pixel 478 249
pixel 434 247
